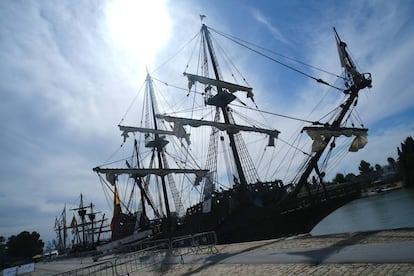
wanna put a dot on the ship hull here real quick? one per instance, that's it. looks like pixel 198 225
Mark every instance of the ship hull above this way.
pixel 235 217
pixel 249 222
pixel 256 224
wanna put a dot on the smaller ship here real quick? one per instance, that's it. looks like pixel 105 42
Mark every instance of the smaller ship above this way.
pixel 86 230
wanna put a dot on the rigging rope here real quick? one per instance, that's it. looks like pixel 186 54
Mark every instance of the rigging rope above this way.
pixel 229 60
pixel 279 62
pixel 133 101
pixel 178 87
pixel 276 53
pixel 277 114
pixel 173 56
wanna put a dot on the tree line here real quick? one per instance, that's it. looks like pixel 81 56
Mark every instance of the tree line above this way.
pixel 402 168
pixel 20 248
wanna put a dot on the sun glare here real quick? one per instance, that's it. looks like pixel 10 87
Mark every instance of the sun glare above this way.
pixel 141 28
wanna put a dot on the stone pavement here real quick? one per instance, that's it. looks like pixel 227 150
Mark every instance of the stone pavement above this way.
pixel 286 269
pixel 307 243
pixel 308 251
pixel 402 252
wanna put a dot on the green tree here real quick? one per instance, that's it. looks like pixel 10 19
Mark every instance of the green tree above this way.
pixel 365 168
pixel 2 246
pixel 339 178
pixel 406 161
pixel 378 170
pixel 25 245
pixel 391 162
pixel 350 177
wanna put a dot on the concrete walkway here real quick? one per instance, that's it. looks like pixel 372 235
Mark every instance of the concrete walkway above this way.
pixel 385 252
pixel 402 252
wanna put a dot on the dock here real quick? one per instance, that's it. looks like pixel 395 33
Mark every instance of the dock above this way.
pixel 383 252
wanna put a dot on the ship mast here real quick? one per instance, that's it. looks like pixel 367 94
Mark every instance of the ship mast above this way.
pixel 222 104
pixel 354 81
pixel 61 229
pixel 154 139
pixel 245 169
pixel 159 144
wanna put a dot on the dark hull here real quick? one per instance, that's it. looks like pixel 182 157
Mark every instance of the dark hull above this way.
pixel 235 217
pixel 250 222
pixel 255 224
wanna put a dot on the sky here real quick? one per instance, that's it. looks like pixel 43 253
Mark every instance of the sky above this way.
pixel 70 69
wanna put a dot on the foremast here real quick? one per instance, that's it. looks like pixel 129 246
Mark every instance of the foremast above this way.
pixel 155 138
pixel 354 82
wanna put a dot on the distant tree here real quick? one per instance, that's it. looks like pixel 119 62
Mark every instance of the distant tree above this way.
pixel 378 170
pixel 391 162
pixel 350 177
pixel 25 245
pixel 339 178
pixel 406 161
pixel 365 168
pixel 2 246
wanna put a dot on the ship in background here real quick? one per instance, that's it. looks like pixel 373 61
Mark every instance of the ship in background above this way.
pixel 83 232
pixel 191 169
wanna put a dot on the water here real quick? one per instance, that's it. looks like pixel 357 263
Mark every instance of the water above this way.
pixel 385 211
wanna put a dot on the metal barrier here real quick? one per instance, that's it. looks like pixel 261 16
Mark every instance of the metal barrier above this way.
pixel 150 254
pixel 141 245
pixel 195 244
pixel 140 260
pixel 105 268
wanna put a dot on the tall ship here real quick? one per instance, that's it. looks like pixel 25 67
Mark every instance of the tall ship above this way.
pixel 83 231
pixel 202 156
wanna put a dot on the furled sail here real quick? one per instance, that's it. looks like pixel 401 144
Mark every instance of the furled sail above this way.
pixel 177 131
pixel 231 128
pixel 319 134
pixel 136 172
pixel 231 87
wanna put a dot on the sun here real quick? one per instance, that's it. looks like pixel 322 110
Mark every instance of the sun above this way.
pixel 141 28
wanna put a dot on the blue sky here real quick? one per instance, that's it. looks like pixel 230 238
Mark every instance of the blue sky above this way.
pixel 70 69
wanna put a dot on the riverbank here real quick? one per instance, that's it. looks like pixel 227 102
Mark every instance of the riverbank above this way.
pixel 228 259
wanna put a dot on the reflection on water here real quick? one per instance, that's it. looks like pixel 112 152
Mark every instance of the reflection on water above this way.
pixel 384 211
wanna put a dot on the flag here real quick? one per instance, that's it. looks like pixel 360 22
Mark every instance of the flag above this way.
pixel 117 209
pixel 73 224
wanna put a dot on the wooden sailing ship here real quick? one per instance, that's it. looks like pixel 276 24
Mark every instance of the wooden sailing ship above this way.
pixel 86 230
pixel 247 207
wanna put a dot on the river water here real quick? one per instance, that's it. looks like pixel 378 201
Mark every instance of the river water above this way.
pixel 388 210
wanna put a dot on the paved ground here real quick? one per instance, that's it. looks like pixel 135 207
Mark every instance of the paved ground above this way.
pixel 388 252
pixel 402 252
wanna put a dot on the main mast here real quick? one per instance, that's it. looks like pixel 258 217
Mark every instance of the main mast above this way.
pixel 221 101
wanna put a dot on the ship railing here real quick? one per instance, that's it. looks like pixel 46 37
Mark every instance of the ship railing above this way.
pixel 104 268
pixel 141 260
pixel 195 244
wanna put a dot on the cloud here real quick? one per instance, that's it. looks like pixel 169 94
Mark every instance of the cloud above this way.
pixel 67 84
pixel 61 96
pixel 276 33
